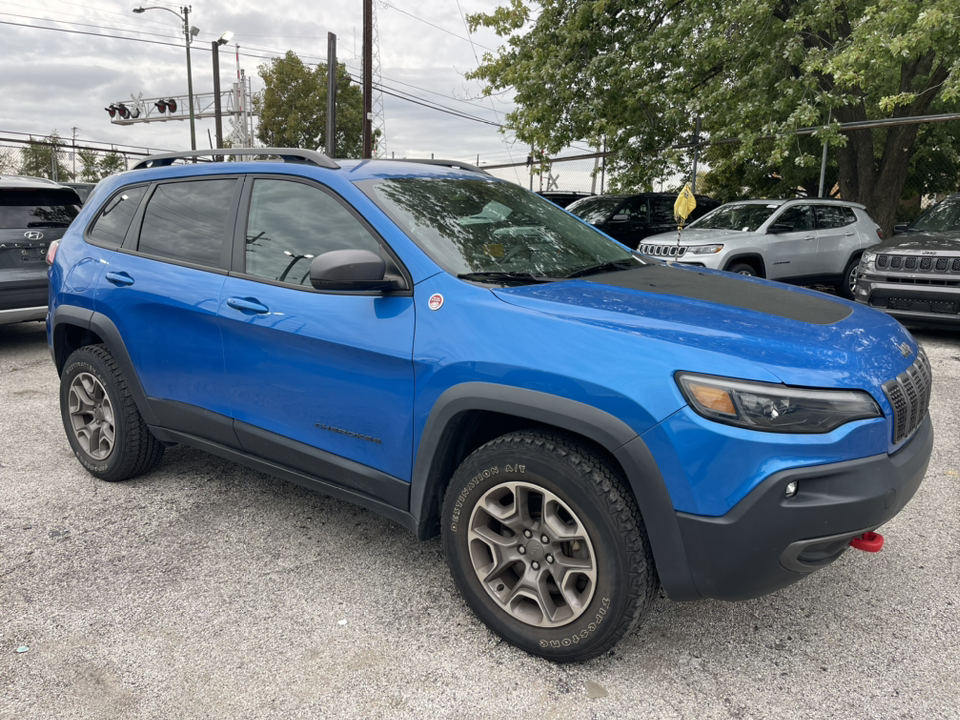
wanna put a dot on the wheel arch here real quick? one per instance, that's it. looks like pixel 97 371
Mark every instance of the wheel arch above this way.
pixel 754 259
pixel 468 415
pixel 75 327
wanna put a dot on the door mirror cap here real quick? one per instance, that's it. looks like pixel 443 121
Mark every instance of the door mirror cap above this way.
pixel 619 217
pixel 899 228
pixel 349 270
pixel 778 228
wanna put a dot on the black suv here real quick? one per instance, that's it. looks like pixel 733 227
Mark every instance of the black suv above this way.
pixel 33 212
pixel 631 218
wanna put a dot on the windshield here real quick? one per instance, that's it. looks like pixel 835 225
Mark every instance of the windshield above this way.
pixel 942 217
pixel 596 209
pixel 37 208
pixel 747 217
pixel 484 226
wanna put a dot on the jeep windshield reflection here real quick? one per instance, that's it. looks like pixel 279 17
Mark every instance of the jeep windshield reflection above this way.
pixel 494 231
pixel 746 217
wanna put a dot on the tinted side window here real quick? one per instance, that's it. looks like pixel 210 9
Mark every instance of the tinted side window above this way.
pixel 636 209
pixel 112 223
pixel 799 217
pixel 187 221
pixel 290 223
pixel 662 210
pixel 834 216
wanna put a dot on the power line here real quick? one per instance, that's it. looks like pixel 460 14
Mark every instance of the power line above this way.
pixel 427 22
pixel 391 91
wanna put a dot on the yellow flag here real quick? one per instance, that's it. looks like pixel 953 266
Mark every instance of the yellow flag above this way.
pixel 685 204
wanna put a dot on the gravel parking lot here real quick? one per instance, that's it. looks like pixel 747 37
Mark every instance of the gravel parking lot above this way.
pixel 206 590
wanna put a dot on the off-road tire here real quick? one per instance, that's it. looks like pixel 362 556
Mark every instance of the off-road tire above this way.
pixel 565 473
pixel 130 449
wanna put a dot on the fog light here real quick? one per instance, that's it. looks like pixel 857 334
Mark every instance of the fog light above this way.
pixel 791 489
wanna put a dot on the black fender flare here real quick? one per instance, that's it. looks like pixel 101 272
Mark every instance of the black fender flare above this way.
pixel 107 331
pixel 747 256
pixel 601 427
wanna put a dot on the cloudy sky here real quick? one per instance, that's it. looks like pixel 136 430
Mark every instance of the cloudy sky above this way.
pixel 65 60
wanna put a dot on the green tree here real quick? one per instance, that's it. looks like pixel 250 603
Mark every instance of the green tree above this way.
pixel 635 73
pixel 45 158
pixel 89 165
pixel 112 162
pixel 293 107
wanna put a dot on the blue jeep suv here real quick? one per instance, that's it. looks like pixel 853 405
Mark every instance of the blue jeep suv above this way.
pixel 581 424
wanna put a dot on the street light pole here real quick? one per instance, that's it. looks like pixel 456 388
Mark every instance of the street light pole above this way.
pixel 188 34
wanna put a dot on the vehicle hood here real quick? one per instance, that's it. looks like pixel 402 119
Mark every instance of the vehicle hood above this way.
pixel 694 236
pixel 707 321
pixel 914 242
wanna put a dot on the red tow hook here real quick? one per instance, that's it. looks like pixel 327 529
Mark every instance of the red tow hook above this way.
pixel 868 542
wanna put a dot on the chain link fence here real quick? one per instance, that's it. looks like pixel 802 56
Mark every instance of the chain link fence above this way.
pixel 64 160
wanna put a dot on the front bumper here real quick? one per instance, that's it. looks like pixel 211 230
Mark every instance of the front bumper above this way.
pixel 929 301
pixel 768 541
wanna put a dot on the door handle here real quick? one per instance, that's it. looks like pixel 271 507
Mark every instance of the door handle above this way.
pixel 247 305
pixel 810 237
pixel 850 233
pixel 120 279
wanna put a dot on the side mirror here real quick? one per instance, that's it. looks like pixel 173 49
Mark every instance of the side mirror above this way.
pixel 618 218
pixel 349 270
pixel 778 228
pixel 899 228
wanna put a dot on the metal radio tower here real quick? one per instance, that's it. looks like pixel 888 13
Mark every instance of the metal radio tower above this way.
pixel 379 122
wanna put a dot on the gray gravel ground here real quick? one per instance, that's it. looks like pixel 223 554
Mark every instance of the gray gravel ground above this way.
pixel 206 590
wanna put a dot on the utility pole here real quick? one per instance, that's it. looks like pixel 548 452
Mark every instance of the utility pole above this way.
pixel 331 144
pixel 367 79
pixel 186 33
pixel 215 46
pixel 696 156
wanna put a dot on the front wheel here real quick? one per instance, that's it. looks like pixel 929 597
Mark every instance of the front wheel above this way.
pixel 848 287
pixel 547 546
pixel 742 269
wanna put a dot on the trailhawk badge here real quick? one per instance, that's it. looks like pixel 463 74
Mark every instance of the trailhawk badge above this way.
pixel 435 302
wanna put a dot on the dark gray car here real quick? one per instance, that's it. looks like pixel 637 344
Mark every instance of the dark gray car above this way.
pixel 33 213
pixel 915 275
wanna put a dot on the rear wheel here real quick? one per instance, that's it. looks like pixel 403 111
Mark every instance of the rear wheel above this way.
pixel 547 546
pixel 103 425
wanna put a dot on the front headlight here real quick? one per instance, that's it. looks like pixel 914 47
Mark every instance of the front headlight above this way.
pixel 774 408
pixel 867 258
pixel 705 249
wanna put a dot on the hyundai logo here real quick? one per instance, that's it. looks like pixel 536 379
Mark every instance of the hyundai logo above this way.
pixel 33 235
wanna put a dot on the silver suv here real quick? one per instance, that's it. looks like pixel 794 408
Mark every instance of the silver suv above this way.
pixel 804 242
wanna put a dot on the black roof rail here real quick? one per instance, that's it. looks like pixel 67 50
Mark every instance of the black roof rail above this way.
pixel 442 163
pixel 289 155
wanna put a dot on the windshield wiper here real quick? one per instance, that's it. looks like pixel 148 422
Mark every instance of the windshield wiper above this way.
pixel 506 277
pixel 614 266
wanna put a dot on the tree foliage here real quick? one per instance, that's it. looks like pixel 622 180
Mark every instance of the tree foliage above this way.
pixel 636 72
pixel 45 158
pixel 96 165
pixel 293 107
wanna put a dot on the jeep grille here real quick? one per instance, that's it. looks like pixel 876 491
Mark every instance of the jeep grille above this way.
pixel 909 395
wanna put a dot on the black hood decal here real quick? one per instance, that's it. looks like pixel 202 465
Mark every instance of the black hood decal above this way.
pixel 729 290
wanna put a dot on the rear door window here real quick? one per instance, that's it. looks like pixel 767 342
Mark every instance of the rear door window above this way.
pixel 188 221
pixel 834 216
pixel 26 209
